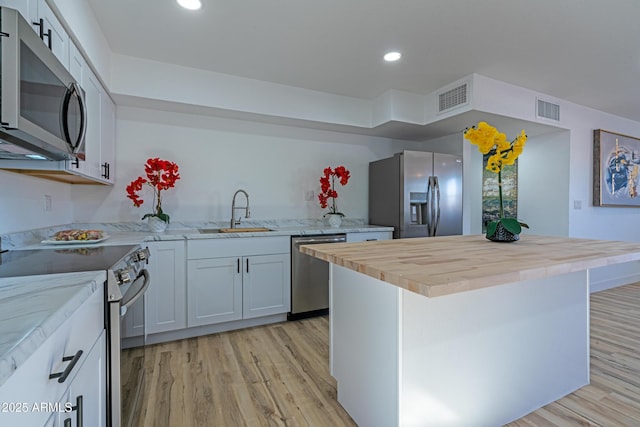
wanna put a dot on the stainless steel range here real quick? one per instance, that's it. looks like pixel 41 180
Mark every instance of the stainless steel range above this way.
pixel 127 281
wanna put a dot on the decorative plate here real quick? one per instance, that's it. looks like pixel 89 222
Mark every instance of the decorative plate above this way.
pixel 74 242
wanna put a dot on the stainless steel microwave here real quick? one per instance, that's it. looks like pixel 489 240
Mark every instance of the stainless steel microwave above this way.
pixel 43 112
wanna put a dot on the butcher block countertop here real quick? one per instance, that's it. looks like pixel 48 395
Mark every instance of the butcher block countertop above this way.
pixel 437 266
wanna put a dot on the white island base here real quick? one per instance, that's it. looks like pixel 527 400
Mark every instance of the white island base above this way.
pixel 477 358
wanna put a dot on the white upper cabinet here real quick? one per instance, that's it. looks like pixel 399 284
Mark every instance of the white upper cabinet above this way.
pixel 50 29
pixel 22 6
pixel 99 148
pixel 107 137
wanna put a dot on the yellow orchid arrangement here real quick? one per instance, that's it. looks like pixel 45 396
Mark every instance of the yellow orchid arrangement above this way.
pixel 501 153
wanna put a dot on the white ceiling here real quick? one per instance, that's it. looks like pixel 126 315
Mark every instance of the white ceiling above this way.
pixel 584 51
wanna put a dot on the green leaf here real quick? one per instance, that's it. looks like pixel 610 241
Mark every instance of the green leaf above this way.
pixel 163 216
pixel 511 225
pixel 491 228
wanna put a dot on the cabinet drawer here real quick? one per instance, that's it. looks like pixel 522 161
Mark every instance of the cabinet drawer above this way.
pixel 369 236
pixel 237 246
pixel 30 384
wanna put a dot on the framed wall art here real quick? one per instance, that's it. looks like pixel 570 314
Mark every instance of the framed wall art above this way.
pixel 616 166
pixel 490 199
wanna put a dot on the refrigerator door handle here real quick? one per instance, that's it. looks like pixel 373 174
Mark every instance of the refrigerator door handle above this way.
pixel 436 222
pixel 430 214
pixel 432 206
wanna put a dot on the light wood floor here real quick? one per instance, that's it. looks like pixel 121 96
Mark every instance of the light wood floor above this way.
pixel 278 375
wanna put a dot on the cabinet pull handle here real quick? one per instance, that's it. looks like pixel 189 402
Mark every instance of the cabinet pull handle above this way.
pixel 371 240
pixel 79 416
pixel 62 376
pixel 105 174
pixel 247 265
pixel 76 162
pixel 48 36
pixel 238 260
pixel 40 25
pixel 79 412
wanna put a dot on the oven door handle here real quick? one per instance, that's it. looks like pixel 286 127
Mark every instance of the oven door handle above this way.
pixel 141 291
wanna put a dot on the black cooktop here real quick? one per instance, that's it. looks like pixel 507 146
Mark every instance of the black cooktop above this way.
pixel 62 260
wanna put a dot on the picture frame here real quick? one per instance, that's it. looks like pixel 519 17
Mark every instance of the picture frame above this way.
pixel 490 199
pixel 616 169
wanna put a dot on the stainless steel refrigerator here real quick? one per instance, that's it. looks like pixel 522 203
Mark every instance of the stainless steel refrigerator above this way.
pixel 418 193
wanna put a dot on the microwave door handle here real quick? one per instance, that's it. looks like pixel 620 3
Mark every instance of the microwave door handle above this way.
pixel 83 118
pixel 74 88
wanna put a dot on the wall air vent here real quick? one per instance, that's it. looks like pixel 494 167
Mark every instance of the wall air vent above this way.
pixel 548 110
pixel 453 98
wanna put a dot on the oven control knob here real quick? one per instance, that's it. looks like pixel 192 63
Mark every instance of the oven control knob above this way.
pixel 141 255
pixel 125 275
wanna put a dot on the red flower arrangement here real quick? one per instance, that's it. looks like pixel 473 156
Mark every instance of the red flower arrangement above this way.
pixel 161 175
pixel 327 186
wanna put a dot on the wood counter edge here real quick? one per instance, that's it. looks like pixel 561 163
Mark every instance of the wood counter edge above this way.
pixel 452 286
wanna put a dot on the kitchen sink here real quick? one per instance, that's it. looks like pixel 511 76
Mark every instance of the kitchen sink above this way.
pixel 234 230
pixel 208 230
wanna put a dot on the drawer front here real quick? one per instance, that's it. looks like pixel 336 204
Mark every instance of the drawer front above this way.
pixel 29 390
pixel 237 246
pixel 369 236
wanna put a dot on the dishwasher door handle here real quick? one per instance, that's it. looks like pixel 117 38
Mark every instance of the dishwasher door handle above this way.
pixel 313 241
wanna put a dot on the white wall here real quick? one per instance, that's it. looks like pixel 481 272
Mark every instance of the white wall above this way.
pixel 275 164
pixel 543 184
pixel 593 222
pixel 22 204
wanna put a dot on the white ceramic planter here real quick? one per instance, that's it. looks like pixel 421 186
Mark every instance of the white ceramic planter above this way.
pixel 334 220
pixel 156 224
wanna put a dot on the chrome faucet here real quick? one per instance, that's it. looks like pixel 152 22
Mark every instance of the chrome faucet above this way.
pixel 247 214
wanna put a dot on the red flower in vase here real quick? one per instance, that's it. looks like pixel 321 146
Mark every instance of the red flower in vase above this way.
pixel 327 187
pixel 161 175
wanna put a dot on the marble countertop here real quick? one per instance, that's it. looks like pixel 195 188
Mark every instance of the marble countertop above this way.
pixel 437 266
pixel 136 233
pixel 33 307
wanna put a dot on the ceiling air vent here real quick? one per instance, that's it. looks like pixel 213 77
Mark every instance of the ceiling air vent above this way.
pixel 548 110
pixel 453 98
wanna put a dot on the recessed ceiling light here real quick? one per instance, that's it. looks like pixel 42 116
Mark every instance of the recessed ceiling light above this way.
pixel 392 56
pixel 190 4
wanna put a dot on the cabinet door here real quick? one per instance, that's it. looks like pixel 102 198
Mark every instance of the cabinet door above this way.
pixel 165 300
pixel 59 38
pixel 87 391
pixel 91 165
pixel 107 137
pixel 132 325
pixel 77 64
pixel 22 6
pixel 214 290
pixel 266 285
pixel 369 236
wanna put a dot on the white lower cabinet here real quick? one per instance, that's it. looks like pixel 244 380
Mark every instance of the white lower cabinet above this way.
pixel 68 364
pixel 165 300
pixel 266 285
pixel 215 291
pixel 84 403
pixel 254 282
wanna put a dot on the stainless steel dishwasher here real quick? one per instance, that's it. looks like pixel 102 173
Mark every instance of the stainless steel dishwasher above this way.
pixel 310 277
